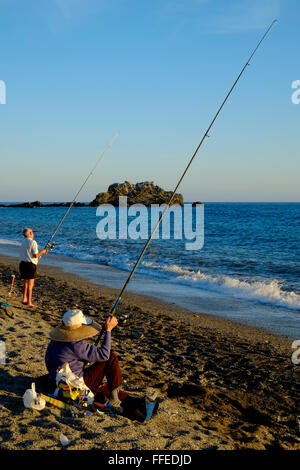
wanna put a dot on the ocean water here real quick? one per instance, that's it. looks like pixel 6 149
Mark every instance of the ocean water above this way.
pixel 248 268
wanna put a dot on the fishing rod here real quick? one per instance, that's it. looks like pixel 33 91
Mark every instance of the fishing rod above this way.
pixel 50 243
pixel 206 134
pixel 12 285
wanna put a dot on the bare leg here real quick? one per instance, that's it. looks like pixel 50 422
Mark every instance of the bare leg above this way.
pixel 25 292
pixel 30 287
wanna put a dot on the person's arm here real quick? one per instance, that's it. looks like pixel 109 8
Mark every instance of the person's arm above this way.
pixel 89 352
pixel 40 253
pixel 35 251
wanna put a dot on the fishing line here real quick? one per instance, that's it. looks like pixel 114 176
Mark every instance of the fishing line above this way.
pixel 50 244
pixel 206 134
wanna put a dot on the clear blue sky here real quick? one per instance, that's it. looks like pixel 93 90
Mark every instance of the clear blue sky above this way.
pixel 78 71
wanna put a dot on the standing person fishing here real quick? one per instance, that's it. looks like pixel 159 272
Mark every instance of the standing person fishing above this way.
pixel 30 254
pixel 29 258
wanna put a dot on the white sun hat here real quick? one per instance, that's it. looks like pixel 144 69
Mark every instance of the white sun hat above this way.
pixel 75 326
pixel 76 317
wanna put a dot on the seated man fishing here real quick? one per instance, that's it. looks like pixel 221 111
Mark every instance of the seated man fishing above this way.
pixel 68 345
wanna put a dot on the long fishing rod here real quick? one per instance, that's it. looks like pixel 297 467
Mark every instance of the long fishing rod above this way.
pixel 206 134
pixel 50 244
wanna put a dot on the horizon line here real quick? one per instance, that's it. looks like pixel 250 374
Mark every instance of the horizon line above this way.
pixel 186 202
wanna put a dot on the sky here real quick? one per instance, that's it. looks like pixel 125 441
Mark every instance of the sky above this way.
pixel 78 71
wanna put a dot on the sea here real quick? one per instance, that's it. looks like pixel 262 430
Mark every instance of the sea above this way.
pixel 247 270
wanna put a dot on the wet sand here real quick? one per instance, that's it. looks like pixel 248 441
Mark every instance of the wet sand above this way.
pixel 221 385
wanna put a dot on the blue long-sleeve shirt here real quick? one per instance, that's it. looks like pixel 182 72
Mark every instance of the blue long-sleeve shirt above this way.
pixel 76 354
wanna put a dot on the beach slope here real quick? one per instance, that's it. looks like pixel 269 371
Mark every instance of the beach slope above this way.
pixel 221 385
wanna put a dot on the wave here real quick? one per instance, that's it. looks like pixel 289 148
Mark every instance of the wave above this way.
pixel 267 291
pixel 4 241
pixel 264 291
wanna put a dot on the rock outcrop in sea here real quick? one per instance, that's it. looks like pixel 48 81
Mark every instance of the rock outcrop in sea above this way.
pixel 146 193
pixel 32 205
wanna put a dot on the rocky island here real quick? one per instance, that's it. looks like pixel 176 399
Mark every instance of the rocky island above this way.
pixel 34 204
pixel 146 193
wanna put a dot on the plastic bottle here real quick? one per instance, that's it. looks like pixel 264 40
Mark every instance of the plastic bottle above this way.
pixel 31 399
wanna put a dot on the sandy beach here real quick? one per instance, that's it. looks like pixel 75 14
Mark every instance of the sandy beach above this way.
pixel 221 385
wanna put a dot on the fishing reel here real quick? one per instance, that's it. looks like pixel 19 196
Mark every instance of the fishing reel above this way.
pixel 50 246
pixel 122 320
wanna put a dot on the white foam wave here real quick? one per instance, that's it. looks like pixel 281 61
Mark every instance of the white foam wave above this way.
pixel 265 291
pixel 269 291
pixel 3 241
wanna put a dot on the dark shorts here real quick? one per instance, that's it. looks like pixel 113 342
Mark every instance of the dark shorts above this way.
pixel 27 270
